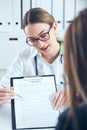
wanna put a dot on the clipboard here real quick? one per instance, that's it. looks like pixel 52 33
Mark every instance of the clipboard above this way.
pixel 32 108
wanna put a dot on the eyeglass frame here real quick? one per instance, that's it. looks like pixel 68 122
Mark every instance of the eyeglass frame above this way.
pixel 28 41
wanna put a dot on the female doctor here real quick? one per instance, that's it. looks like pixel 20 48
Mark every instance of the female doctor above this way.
pixel 44 57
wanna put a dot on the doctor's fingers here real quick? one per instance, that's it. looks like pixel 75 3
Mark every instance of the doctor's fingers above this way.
pixel 62 102
pixel 4 100
pixel 5 97
pixel 6 94
pixel 57 95
pixel 60 99
pixel 6 90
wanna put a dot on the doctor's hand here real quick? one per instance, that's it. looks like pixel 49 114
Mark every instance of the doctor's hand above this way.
pixel 6 94
pixel 61 99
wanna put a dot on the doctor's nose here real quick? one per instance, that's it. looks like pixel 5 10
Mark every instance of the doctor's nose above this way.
pixel 40 43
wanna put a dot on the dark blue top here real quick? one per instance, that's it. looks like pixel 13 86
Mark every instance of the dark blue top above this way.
pixel 73 121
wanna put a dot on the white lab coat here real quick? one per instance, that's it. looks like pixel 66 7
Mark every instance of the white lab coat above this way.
pixel 24 65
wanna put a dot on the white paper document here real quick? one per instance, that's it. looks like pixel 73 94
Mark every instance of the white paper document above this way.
pixel 32 104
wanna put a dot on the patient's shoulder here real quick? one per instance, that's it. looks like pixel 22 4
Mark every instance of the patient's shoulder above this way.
pixel 67 120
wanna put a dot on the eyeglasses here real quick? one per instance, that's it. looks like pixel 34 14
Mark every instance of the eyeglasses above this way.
pixel 34 41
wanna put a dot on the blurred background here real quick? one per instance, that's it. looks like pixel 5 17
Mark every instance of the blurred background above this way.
pixel 12 38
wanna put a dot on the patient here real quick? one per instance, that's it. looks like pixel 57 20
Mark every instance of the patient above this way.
pixel 75 117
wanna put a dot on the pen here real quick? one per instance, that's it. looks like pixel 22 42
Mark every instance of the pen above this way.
pixel 19 96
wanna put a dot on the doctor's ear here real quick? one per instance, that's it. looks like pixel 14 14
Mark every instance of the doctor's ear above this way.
pixel 55 25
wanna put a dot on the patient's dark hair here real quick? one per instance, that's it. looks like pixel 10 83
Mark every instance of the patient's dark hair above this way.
pixel 76 58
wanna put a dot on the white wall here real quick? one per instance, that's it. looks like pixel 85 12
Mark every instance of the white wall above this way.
pixel 9 48
pixel 12 12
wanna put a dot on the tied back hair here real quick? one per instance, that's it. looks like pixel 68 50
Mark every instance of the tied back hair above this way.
pixel 37 15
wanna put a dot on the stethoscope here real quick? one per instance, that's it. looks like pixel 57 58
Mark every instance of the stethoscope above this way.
pixel 36 68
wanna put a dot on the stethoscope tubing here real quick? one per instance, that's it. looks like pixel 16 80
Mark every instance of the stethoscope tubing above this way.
pixel 36 68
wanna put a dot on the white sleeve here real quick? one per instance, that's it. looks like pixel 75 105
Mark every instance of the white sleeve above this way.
pixel 22 65
pixel 15 69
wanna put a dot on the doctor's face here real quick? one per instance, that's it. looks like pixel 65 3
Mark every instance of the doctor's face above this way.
pixel 41 36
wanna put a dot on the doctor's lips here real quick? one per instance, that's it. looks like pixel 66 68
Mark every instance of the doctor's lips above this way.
pixel 44 48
